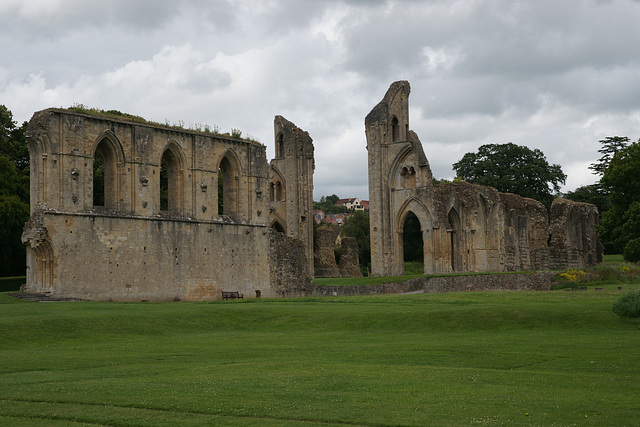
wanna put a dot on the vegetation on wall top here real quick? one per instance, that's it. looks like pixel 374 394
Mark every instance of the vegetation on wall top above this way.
pixel 198 127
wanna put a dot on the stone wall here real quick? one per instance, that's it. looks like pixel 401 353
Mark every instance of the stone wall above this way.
pixel 289 268
pixel 133 258
pixel 211 236
pixel 540 281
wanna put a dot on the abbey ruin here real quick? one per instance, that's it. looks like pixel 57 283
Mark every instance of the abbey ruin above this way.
pixel 213 235
pixel 464 227
pixel 186 215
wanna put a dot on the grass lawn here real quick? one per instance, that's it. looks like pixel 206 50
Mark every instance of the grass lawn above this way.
pixel 499 358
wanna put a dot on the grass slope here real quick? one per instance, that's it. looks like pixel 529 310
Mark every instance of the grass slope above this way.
pixel 501 358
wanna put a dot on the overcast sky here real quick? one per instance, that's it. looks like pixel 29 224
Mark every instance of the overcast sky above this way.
pixel 554 75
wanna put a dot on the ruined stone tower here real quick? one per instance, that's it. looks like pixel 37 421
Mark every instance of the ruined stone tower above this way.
pixel 396 163
pixel 291 184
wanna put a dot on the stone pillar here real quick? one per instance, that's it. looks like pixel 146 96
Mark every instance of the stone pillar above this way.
pixel 349 259
pixel 324 257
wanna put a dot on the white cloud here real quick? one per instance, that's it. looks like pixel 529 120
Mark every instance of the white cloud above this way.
pixel 552 75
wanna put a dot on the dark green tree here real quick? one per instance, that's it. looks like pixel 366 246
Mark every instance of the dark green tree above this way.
pixel 327 204
pixel 13 144
pixel 621 224
pixel 610 146
pixel 357 225
pixel 14 212
pixel 512 168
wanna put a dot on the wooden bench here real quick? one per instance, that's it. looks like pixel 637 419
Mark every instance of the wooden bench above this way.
pixel 232 295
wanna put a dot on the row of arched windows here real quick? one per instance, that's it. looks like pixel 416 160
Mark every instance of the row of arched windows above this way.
pixel 108 161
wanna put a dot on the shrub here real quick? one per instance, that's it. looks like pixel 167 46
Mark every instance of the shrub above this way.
pixel 628 305
pixel 632 251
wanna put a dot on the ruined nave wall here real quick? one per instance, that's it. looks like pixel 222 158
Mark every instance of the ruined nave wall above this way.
pixel 135 258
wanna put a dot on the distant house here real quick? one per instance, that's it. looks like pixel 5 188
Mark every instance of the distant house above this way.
pixel 353 203
pixel 318 215
pixel 335 219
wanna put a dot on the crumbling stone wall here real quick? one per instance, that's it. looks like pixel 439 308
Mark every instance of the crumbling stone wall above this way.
pixel 291 185
pixel 573 240
pixel 324 256
pixel 289 268
pixel 349 258
pixel 212 236
pixel 538 281
pixel 464 227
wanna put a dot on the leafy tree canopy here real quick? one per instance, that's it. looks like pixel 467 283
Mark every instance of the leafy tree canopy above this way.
pixel 610 146
pixel 14 212
pixel 13 144
pixel 620 225
pixel 14 194
pixel 328 205
pixel 511 168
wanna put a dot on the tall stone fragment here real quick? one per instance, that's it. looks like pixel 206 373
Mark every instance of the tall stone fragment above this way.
pixel 349 258
pixel 324 257
pixel 291 185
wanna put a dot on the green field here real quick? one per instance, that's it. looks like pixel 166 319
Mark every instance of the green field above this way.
pixel 499 358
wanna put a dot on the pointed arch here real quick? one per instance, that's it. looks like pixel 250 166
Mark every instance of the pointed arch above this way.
pixel 278 222
pixel 171 178
pixel 280 150
pixel 413 206
pixel 229 185
pixel 278 186
pixel 108 160
pixel 395 129
pixel 398 177
pixel 419 210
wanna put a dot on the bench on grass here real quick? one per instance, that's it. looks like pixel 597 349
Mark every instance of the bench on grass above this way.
pixel 232 295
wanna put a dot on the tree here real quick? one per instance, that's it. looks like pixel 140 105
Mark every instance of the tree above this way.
pixel 14 212
pixel 611 145
pixel 13 144
pixel 357 225
pixel 327 204
pixel 621 224
pixel 14 194
pixel 511 168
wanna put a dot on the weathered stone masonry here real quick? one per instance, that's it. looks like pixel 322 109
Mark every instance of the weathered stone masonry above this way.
pixel 464 227
pixel 130 248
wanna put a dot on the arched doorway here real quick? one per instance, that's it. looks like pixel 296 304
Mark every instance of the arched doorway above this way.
pixel 412 241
